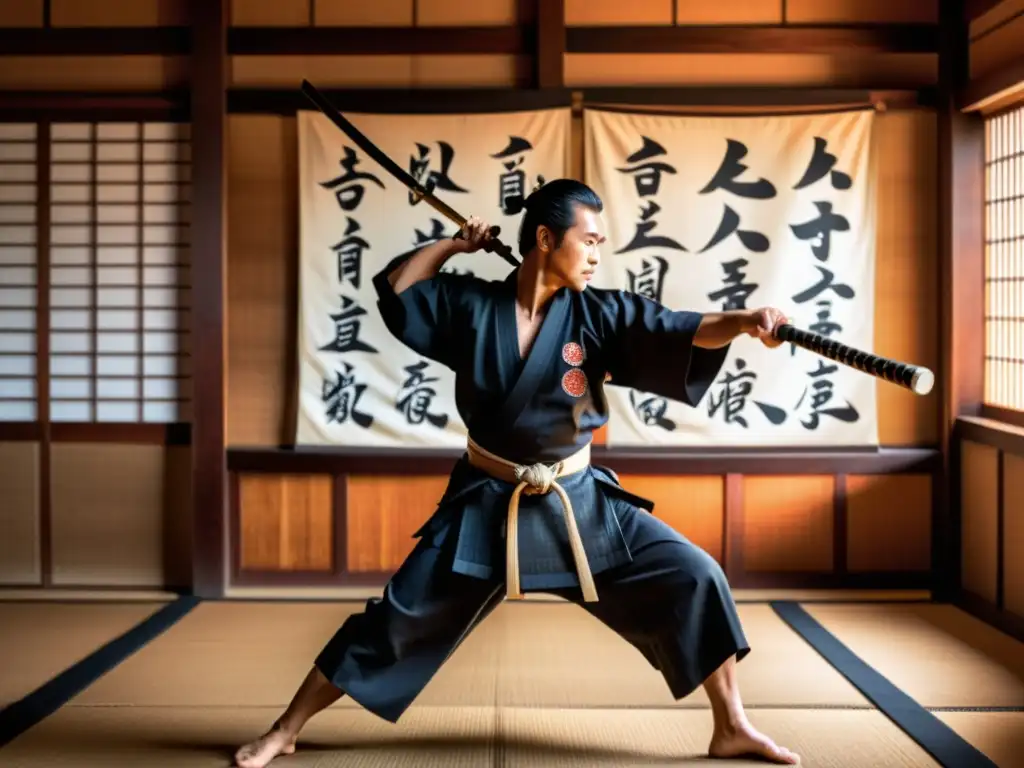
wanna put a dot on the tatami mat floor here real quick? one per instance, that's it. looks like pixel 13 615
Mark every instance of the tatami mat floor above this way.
pixel 39 640
pixel 539 684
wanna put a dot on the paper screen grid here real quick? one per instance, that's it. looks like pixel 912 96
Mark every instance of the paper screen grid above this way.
pixel 1004 260
pixel 18 272
pixel 119 240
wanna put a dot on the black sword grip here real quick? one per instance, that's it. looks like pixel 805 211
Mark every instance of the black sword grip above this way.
pixel 494 245
pixel 884 368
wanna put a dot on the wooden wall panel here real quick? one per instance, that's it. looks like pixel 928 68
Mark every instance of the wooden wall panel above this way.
pixel 862 11
pixel 108 515
pixel 93 73
pixel 380 13
pixel 1013 533
pixel 382 513
pixel 262 276
pixel 889 523
pixel 21 13
pixel 456 71
pixel 119 13
pixel 19 514
pixel 325 71
pixel 388 13
pixel 907 275
pixel 694 506
pixel 587 13
pixel 788 523
pixel 817 70
pixel 286 522
pixel 732 12
pixel 454 13
pixel 979 514
pixel 997 46
pixel 433 71
pixel 270 13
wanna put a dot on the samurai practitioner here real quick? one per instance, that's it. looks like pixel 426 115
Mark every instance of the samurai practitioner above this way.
pixel 524 508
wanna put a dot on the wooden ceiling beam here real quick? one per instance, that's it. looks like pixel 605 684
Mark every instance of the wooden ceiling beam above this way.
pixel 790 38
pixel 519 39
pixel 95 41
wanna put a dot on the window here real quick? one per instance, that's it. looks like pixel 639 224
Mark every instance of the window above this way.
pixel 1004 260
pixel 18 264
pixel 116 333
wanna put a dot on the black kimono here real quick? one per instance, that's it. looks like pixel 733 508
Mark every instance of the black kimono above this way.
pixel 656 589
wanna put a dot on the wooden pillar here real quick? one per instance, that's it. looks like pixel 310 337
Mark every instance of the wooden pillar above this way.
pixel 209 265
pixel 550 43
pixel 961 148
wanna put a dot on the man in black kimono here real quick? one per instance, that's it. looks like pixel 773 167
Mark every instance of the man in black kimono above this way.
pixel 531 355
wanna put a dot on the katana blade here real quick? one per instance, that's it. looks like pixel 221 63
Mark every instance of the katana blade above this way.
pixel 389 165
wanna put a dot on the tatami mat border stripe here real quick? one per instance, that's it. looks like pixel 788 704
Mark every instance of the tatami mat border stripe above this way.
pixel 51 696
pixel 933 735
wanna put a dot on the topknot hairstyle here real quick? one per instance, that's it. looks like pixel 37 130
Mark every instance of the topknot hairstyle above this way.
pixel 553 205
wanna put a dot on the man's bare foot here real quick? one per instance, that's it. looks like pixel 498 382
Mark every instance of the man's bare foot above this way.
pixel 745 741
pixel 259 753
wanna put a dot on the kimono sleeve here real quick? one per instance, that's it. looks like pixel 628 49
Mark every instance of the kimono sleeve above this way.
pixel 425 316
pixel 650 348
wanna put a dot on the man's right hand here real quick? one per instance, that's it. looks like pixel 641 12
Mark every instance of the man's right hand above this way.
pixel 475 235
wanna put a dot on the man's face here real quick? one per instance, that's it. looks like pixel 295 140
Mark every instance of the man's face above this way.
pixel 577 257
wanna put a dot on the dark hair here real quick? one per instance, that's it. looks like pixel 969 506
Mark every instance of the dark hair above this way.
pixel 554 206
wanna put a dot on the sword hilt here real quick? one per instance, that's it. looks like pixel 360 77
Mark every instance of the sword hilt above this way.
pixel 494 245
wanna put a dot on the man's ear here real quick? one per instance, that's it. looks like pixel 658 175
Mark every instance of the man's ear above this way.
pixel 544 238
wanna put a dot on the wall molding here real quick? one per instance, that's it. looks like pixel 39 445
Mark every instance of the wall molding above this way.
pixel 1008 438
pixel 287 101
pixel 650 461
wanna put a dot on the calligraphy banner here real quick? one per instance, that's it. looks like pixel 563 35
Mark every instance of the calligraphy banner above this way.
pixel 358 385
pixel 723 213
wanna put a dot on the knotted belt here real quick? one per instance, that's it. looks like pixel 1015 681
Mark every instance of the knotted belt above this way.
pixel 532 480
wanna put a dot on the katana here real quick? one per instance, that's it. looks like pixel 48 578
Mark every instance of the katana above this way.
pixel 419 191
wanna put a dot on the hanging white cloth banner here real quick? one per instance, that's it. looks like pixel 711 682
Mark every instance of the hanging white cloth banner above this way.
pixel 720 213
pixel 358 385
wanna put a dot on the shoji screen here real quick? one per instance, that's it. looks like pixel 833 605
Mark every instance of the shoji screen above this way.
pixel 1004 260
pixel 18 271
pixel 119 342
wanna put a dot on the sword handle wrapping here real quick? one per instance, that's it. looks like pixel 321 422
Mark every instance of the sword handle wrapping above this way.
pixel 917 379
pixel 494 245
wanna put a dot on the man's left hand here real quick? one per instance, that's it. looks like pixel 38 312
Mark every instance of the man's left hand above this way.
pixel 762 325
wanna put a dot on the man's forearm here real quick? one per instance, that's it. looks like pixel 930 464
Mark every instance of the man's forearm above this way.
pixel 422 265
pixel 717 329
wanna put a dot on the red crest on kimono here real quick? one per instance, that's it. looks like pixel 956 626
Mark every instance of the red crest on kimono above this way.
pixel 572 353
pixel 574 382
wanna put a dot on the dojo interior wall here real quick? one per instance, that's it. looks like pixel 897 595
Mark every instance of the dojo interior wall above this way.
pixel 116 511
pixel 787 522
pixel 120 504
